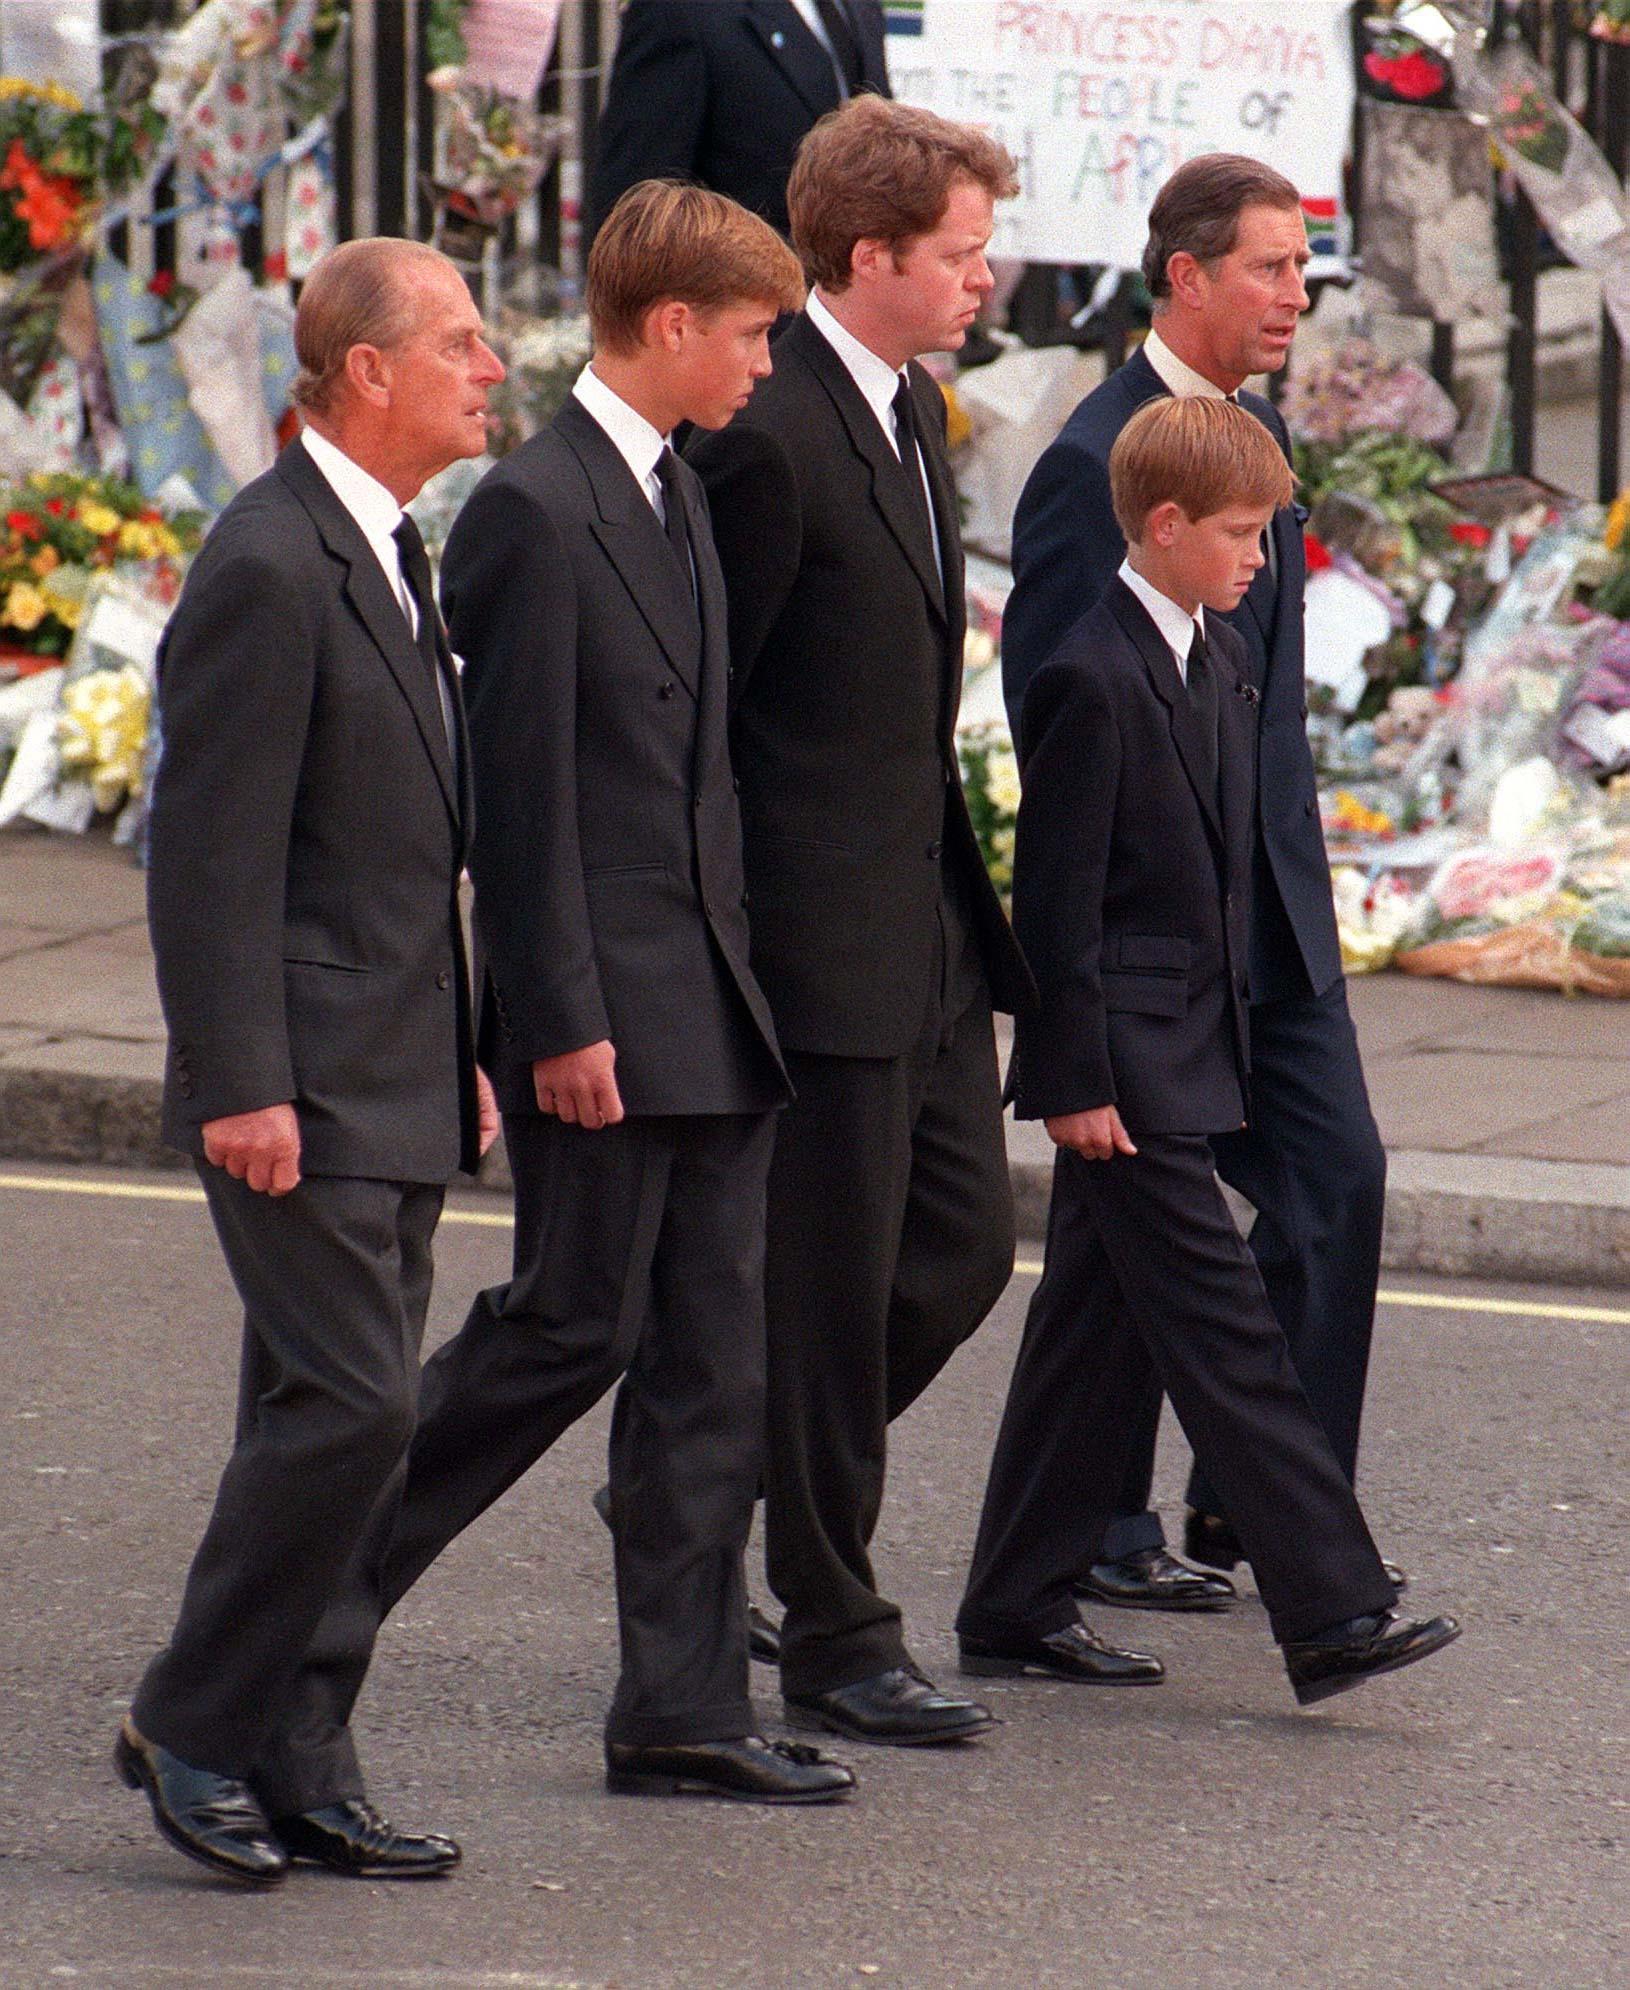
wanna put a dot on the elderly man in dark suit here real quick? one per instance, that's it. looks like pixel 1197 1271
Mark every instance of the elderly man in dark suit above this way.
pixel 721 91
pixel 634 1056
pixel 1226 250
pixel 876 934
pixel 310 819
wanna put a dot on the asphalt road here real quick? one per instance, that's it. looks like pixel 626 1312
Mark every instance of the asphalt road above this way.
pixel 1466 1822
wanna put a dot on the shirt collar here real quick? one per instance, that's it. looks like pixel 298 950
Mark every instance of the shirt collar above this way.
pixel 876 379
pixel 631 435
pixel 1176 374
pixel 363 495
pixel 1176 624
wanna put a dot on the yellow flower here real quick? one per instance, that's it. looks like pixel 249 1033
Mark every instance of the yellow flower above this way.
pixel 66 609
pixel 958 428
pixel 146 539
pixel 46 93
pixel 26 607
pixel 97 518
pixel 1618 520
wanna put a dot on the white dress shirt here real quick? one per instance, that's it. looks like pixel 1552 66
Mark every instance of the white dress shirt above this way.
pixel 1176 375
pixel 376 512
pixel 1176 624
pixel 878 383
pixel 630 434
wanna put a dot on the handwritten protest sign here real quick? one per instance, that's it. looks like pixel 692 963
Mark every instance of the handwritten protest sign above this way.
pixel 1100 101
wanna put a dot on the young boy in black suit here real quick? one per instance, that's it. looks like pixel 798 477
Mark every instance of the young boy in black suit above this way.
pixel 1131 899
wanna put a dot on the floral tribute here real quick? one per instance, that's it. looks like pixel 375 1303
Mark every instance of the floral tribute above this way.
pixel 58 161
pixel 59 532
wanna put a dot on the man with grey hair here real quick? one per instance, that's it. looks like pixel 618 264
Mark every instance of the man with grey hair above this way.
pixel 1225 260
pixel 310 819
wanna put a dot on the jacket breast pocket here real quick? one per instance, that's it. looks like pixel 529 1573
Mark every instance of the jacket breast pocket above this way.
pixel 1154 953
pixel 1146 994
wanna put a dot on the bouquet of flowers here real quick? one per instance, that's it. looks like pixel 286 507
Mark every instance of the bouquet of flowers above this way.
pixel 990 780
pixel 58 162
pixel 1399 68
pixel 59 531
pixel 491 150
pixel 1526 121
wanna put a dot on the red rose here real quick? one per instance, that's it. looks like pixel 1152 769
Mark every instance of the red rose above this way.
pixel 1465 532
pixel 1416 76
pixel 1318 553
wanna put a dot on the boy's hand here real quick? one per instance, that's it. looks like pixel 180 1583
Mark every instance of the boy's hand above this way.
pixel 1097 1135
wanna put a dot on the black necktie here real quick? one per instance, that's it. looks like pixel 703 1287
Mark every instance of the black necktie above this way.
pixel 1202 686
pixel 905 430
pixel 673 516
pixel 416 572
pixel 845 42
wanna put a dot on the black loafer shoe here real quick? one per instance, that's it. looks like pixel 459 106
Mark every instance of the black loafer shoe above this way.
pixel 1345 1655
pixel 751 1770
pixel 1075 1652
pixel 213 1819
pixel 1153 1580
pixel 900 1708
pixel 763 1637
pixel 351 1837
pixel 1396 1576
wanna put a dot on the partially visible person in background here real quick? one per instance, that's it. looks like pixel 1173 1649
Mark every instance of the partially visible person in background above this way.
pixel 722 91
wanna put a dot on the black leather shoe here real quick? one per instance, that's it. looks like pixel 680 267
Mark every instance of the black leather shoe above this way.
pixel 751 1770
pixel 213 1819
pixel 1345 1655
pixel 1212 1541
pixel 763 1637
pixel 351 1837
pixel 900 1708
pixel 1075 1652
pixel 1153 1580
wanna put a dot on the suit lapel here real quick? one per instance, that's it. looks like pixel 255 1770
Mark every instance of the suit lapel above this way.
pixel 632 539
pixel 790 45
pixel 713 696
pixel 948 526
pixel 1161 665
pixel 1236 753
pixel 378 609
pixel 890 491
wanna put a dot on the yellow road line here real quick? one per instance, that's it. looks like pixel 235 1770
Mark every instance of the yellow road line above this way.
pixel 1457 1302
pixel 1440 1302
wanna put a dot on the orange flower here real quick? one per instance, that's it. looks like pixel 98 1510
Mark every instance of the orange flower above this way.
pixel 50 202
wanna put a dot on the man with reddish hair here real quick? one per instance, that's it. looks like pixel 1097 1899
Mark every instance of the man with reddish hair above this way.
pixel 876 934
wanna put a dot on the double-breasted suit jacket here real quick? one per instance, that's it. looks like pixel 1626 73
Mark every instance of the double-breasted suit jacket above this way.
pixel 719 91
pixel 610 900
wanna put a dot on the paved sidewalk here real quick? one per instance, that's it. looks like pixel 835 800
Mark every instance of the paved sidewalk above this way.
pixel 1506 1113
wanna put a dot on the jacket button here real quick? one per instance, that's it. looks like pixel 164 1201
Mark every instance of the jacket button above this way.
pixel 735 783
pixel 666 690
pixel 1309 808
pixel 744 901
pixel 444 979
pixel 935 848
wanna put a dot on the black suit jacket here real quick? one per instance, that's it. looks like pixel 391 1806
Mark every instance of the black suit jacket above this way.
pixel 1131 879
pixel 719 91
pixel 607 861
pixel 847 659
pixel 1066 547
pixel 308 833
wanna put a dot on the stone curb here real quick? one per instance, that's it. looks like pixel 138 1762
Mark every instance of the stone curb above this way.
pixel 1462 1215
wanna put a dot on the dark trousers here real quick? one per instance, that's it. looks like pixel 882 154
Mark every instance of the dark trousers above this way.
pixel 1144 1260
pixel 334 1279
pixel 1312 1166
pixel 639 1256
pixel 890 1239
